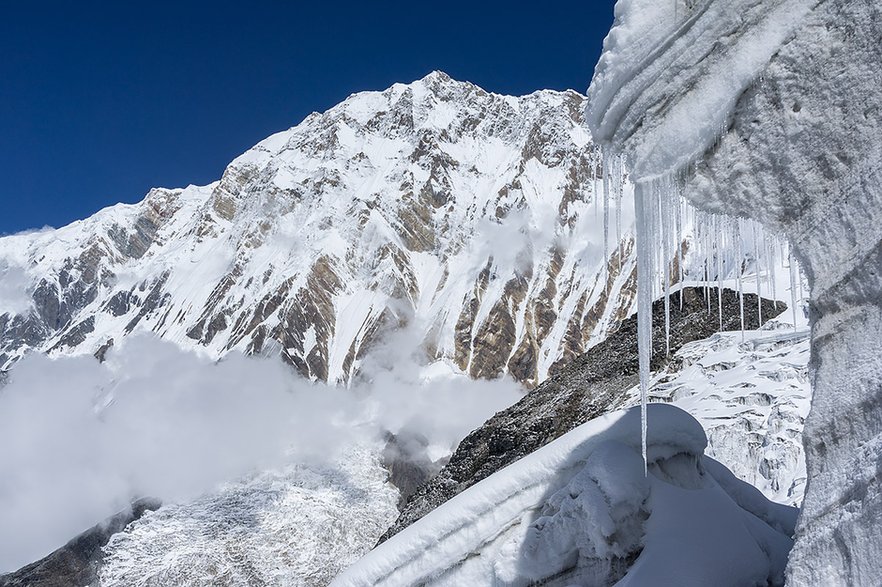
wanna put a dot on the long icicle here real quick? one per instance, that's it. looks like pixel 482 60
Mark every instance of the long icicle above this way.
pixel 679 221
pixel 737 234
pixel 644 236
pixel 607 178
pixel 793 278
pixel 759 278
pixel 663 209
pixel 718 246
pixel 618 192
pixel 773 261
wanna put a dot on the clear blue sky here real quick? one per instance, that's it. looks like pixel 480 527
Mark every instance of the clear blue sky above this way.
pixel 100 101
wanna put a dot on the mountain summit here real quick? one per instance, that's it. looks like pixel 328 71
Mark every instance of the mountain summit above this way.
pixel 466 217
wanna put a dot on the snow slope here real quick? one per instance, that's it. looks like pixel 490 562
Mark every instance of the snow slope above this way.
pixel 299 526
pixel 793 142
pixel 579 510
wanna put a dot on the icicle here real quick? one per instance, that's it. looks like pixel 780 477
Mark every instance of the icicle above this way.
pixel 706 251
pixel 793 278
pixel 738 274
pixel 759 278
pixel 597 164
pixel 663 209
pixel 718 236
pixel 773 261
pixel 679 222
pixel 607 172
pixel 617 192
pixel 645 238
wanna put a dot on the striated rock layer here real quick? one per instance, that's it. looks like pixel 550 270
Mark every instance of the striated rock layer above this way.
pixel 795 141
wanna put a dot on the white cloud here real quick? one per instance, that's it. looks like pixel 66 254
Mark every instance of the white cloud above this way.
pixel 79 439
pixel 15 294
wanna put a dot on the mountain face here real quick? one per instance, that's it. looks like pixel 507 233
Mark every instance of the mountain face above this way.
pixel 468 217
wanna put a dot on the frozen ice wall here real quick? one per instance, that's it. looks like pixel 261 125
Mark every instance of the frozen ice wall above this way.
pixel 773 110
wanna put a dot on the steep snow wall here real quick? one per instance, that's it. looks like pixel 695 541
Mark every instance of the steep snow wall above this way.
pixel 772 110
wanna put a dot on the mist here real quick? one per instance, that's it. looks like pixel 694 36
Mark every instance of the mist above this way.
pixel 80 439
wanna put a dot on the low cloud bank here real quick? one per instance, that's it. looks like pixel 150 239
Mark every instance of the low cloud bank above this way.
pixel 79 439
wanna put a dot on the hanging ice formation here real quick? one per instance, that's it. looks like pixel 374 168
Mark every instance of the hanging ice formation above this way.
pixel 677 246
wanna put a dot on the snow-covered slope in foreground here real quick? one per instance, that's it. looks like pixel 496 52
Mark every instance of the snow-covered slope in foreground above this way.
pixel 580 510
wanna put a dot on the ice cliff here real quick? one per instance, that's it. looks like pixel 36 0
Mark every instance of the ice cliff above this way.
pixel 772 110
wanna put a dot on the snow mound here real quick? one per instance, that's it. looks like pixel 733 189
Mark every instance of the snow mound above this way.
pixel 581 510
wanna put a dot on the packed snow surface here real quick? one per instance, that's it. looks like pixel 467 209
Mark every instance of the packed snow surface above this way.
pixel 580 510
pixel 751 394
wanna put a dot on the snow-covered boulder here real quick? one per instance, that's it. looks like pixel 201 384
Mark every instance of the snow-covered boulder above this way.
pixel 772 110
pixel 580 510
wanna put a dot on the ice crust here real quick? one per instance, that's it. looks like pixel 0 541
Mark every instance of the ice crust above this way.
pixel 671 73
pixel 787 132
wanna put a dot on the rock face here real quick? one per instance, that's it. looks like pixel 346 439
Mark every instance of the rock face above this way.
pixel 78 561
pixel 589 386
pixel 801 152
pixel 468 216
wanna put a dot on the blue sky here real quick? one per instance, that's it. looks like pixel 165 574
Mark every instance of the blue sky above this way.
pixel 100 101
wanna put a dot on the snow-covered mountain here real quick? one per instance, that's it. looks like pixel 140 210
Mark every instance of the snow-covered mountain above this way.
pixel 469 216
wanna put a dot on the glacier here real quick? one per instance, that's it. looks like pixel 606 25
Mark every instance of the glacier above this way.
pixel 771 110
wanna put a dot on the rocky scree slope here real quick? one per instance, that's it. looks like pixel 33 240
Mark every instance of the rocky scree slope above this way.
pixel 468 216
pixel 589 386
